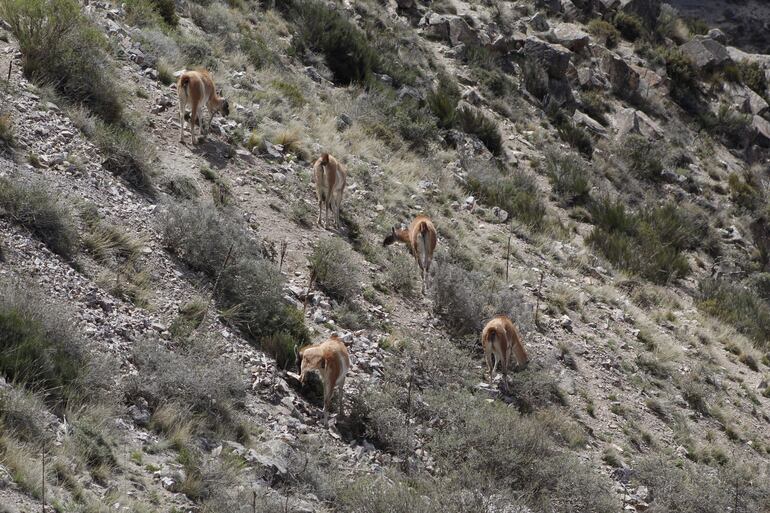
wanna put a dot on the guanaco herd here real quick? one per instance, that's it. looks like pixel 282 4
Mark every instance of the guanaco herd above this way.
pixel 500 339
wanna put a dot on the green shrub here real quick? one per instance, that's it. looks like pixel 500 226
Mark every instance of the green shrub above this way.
pixel 747 190
pixel 594 104
pixel 604 30
pixel 739 306
pixel 6 129
pixel 167 11
pixel 60 46
pixel 256 49
pixel 630 26
pixel 573 134
pixel 731 126
pixel 127 155
pixel 684 78
pixel 696 26
pixel 535 79
pixel 197 52
pixel 514 191
pixel 752 75
pixel 249 286
pixel 570 179
pixel 473 121
pixel 195 378
pixel 643 157
pixel 330 32
pixel 466 299
pixel 34 208
pixel 443 99
pixel 649 243
pixel 335 269
pixel 38 346
pixel 494 444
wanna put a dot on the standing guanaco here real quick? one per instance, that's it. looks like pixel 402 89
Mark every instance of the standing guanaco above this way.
pixel 197 89
pixel 421 238
pixel 330 178
pixel 499 339
pixel 330 359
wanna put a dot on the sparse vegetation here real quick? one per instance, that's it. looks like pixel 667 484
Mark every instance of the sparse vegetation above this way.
pixel 61 46
pixel 514 191
pixel 248 284
pixel 643 157
pixel 569 177
pixel 335 269
pixel 328 31
pixel 630 26
pixel 737 305
pixel 32 206
pixel 38 346
pixel 6 129
pixel 649 243
pixel 467 298
pixel 443 101
pixel 606 31
pixel 473 121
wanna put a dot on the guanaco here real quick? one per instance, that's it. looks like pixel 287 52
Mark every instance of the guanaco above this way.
pixel 421 238
pixel 330 359
pixel 499 339
pixel 197 89
pixel 330 178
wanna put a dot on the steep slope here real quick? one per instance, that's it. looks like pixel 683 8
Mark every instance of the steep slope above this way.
pixel 636 397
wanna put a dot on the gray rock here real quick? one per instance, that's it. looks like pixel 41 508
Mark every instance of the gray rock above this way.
pixel 706 53
pixel 274 456
pixel 622 77
pixel 626 121
pixel 539 22
pixel 717 35
pixel 761 129
pixel 343 122
pixel 450 28
pixel 589 123
pixel 140 416
pixel 554 58
pixel 570 36
pixel 647 10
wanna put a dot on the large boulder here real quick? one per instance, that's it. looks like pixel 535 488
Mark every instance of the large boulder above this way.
pixel 632 121
pixel 761 129
pixel 553 57
pixel 589 123
pixel 706 53
pixel 647 10
pixel 623 78
pixel 745 99
pixel 570 37
pixel 590 77
pixel 450 28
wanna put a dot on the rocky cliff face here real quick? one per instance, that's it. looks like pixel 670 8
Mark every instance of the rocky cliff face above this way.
pixel 597 177
pixel 745 23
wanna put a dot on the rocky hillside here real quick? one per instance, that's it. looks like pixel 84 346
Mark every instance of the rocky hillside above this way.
pixel 596 170
pixel 745 22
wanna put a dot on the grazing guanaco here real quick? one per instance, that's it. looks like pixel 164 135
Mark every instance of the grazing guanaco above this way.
pixel 330 178
pixel 330 359
pixel 499 339
pixel 421 238
pixel 197 89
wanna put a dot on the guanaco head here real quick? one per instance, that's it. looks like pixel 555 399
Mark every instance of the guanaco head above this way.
pixel 310 361
pixel 391 238
pixel 396 234
pixel 324 159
